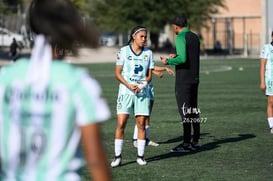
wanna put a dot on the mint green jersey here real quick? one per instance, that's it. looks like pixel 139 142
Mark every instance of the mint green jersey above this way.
pixel 134 67
pixel 40 128
pixel 267 53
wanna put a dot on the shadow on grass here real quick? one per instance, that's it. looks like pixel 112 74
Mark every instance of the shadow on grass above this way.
pixel 180 139
pixel 205 147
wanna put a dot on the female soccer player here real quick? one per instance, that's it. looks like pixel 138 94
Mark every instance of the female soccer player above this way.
pixel 266 77
pixel 158 71
pixel 134 71
pixel 47 106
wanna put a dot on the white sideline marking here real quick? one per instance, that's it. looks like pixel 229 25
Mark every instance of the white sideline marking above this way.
pixel 221 68
pixel 208 70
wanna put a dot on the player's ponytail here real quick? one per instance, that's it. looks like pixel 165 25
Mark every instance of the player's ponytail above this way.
pixel 134 31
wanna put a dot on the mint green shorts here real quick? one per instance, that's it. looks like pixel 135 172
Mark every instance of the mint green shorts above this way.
pixel 127 103
pixel 151 91
pixel 269 87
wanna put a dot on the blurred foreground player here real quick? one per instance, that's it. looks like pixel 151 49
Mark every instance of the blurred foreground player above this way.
pixel 47 105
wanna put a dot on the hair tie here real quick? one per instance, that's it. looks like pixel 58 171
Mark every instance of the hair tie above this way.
pixel 40 60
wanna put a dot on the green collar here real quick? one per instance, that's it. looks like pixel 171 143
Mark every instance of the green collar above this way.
pixel 184 31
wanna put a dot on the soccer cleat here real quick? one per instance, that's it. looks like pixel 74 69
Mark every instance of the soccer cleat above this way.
pixel 182 149
pixel 141 161
pixel 195 145
pixel 116 161
pixel 135 143
pixel 271 130
pixel 151 143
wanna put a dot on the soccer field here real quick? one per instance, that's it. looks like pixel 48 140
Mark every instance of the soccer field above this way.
pixel 235 139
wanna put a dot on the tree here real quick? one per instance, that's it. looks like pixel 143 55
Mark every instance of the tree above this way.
pixel 81 5
pixel 121 15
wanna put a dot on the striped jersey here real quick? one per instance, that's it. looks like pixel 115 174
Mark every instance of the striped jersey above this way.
pixel 40 128
pixel 135 66
pixel 267 53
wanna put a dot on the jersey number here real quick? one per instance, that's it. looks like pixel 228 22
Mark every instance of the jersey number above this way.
pixel 33 147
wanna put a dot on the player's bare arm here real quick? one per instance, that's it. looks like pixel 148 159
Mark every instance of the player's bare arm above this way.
pixel 158 73
pixel 164 60
pixel 94 152
pixel 170 71
pixel 158 70
pixel 262 74
pixel 165 68
pixel 149 75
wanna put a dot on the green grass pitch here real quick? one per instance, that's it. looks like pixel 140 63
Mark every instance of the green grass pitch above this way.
pixel 235 139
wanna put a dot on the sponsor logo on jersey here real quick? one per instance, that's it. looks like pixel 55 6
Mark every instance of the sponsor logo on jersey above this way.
pixel 138 68
pixel 14 94
pixel 130 57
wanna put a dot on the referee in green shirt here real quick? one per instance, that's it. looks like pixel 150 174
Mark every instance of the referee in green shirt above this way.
pixel 186 61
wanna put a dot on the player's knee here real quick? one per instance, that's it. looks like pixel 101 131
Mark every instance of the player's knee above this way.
pixel 121 127
pixel 141 126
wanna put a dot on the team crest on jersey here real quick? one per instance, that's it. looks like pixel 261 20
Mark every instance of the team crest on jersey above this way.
pixel 146 57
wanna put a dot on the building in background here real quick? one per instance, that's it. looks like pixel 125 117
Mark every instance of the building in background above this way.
pixel 241 28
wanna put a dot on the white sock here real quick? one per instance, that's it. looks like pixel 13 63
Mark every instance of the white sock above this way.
pixel 135 133
pixel 140 147
pixel 118 146
pixel 270 122
pixel 147 128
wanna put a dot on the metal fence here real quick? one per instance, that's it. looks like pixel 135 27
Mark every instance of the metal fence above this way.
pixel 233 34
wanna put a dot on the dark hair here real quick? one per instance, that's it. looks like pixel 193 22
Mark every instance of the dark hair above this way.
pixel 180 20
pixel 134 31
pixel 272 38
pixel 60 22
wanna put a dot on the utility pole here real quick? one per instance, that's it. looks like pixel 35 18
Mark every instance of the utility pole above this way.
pixel 264 16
